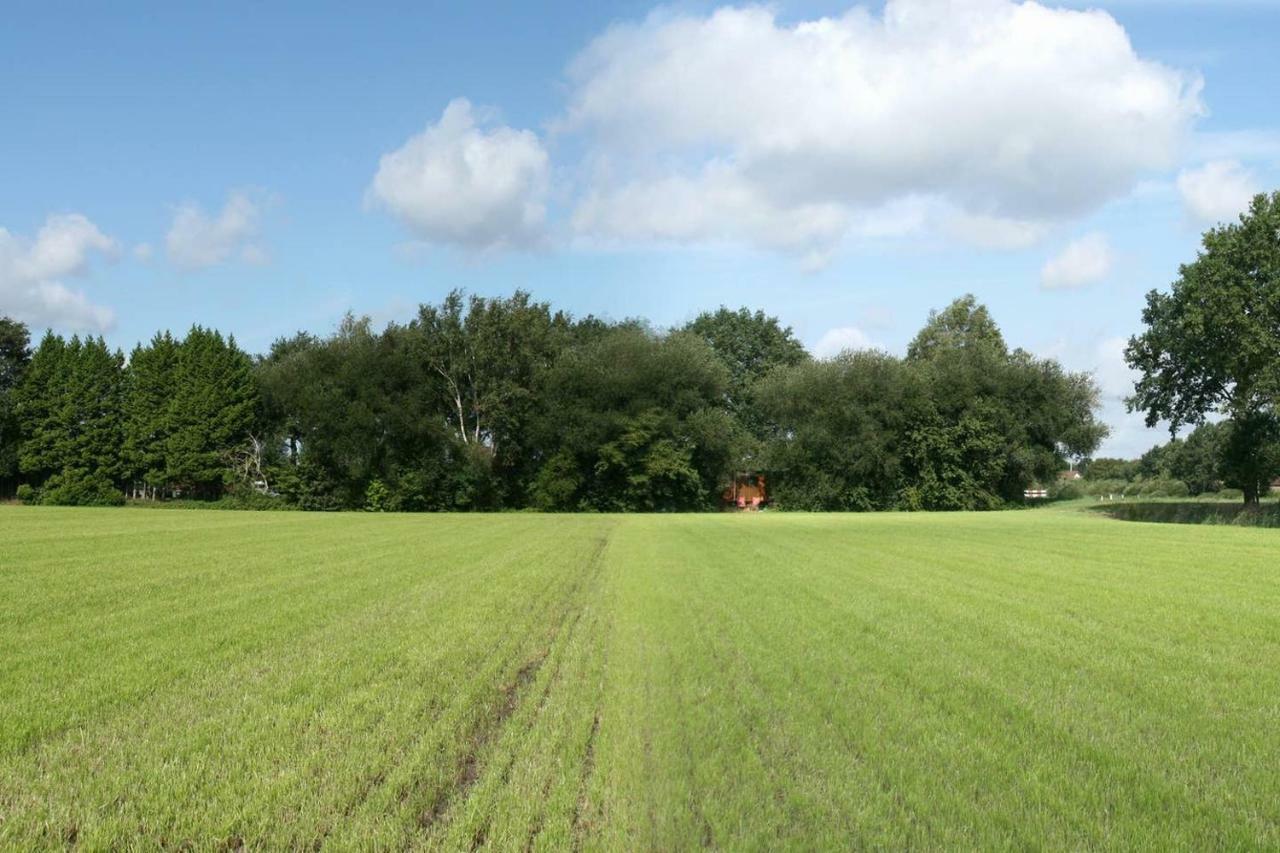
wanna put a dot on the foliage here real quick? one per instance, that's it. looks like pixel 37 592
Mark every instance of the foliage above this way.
pixel 964 326
pixel 233 500
pixel 149 398
pixel 1109 469
pixel 1105 487
pixel 751 345
pixel 1214 454
pixel 377 497
pixel 1198 460
pixel 484 356
pixel 1196 512
pixel 839 431
pixel 500 403
pixel 68 408
pixel 1251 453
pixel 80 487
pixel 1162 488
pixel 1067 490
pixel 352 408
pixel 1212 344
pixel 212 409
pixel 961 423
pixel 308 486
pixel 633 422
pixel 15 354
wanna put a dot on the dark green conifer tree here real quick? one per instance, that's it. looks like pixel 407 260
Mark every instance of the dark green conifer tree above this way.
pixel 15 354
pixel 212 410
pixel 69 415
pixel 149 389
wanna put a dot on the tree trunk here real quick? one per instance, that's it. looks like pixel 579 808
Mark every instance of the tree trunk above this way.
pixel 1251 495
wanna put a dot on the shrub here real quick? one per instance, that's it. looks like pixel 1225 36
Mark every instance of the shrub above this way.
pixel 1164 488
pixel 1065 490
pixel 79 487
pixel 1105 487
pixel 308 487
pixel 246 498
pixel 28 494
pixel 377 497
pixel 1194 512
pixel 249 501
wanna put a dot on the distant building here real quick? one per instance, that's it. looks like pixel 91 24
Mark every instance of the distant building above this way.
pixel 747 492
pixel 1073 474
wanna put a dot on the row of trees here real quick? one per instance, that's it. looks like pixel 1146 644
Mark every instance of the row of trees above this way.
pixel 961 422
pixel 82 427
pixel 506 404
pixel 1214 458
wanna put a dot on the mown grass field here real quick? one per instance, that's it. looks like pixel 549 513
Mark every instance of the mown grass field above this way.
pixel 293 680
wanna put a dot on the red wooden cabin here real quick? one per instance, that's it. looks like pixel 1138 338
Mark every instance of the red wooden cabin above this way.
pixel 747 492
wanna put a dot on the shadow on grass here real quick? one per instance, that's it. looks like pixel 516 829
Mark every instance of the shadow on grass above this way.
pixel 1194 512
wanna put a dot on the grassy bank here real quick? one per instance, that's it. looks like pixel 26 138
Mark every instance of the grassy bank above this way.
pixel 1193 512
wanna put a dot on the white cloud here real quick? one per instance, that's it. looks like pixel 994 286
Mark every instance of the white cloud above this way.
pixel 1115 377
pixel 1002 116
pixel 143 252
pixel 1218 191
pixel 1235 145
pixel 197 240
pixel 876 316
pixel 462 183
pixel 1085 261
pixel 31 271
pixel 836 341
pixel 994 232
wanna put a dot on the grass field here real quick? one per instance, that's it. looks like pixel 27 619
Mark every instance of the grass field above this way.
pixel 1021 679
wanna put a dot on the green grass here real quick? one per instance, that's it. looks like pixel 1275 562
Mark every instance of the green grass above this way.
pixel 1024 679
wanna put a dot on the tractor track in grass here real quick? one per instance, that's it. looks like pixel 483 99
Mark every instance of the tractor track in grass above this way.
pixel 580 824
pixel 385 775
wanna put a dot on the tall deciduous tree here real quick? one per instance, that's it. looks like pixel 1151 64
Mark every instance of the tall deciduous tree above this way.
pixel 840 431
pixel 634 422
pixel 1212 344
pixel 961 423
pixel 485 355
pixel 360 407
pixel 751 344
pixel 963 326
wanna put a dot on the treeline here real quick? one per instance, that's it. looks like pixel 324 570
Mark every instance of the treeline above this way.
pixel 504 403
pixel 1214 460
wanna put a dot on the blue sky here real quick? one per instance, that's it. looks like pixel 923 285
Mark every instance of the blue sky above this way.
pixel 846 167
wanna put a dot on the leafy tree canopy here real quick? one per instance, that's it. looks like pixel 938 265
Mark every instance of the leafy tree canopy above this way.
pixel 1212 343
pixel 963 326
